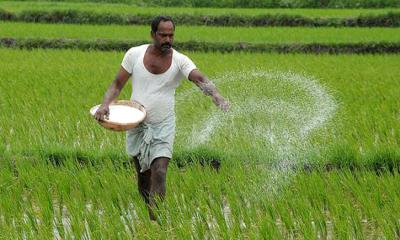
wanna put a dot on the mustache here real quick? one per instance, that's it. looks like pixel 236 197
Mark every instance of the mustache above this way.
pixel 166 45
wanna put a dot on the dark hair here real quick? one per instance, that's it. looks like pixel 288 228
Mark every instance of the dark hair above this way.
pixel 156 21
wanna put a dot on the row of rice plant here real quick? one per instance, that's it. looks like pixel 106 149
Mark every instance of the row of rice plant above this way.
pixel 203 34
pixel 19 6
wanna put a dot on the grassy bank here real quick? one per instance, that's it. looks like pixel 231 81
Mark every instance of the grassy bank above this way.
pixel 390 19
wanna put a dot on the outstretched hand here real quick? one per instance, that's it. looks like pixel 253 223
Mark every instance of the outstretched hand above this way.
pixel 223 104
pixel 209 89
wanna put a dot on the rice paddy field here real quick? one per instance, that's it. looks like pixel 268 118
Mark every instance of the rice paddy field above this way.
pixel 203 34
pixel 20 6
pixel 309 149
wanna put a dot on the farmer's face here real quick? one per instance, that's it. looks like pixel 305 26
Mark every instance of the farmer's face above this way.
pixel 164 36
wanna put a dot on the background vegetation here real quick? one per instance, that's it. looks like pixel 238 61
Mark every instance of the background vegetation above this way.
pixel 258 3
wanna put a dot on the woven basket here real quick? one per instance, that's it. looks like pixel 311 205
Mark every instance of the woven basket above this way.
pixel 116 126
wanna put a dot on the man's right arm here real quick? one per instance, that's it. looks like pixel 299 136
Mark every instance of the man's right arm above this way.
pixel 112 93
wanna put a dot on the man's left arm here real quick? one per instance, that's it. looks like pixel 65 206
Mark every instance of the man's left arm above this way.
pixel 209 89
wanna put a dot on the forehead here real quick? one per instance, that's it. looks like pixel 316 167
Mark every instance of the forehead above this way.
pixel 165 26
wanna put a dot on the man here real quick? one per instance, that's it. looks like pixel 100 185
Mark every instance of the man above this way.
pixel 156 71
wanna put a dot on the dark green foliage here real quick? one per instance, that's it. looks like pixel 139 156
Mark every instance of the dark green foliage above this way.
pixel 275 3
pixel 384 160
pixel 257 3
pixel 343 157
pixel 7 16
pixel 340 158
pixel 202 156
pixel 70 16
pixel 58 156
pixel 112 45
pixel 390 19
pixel 346 158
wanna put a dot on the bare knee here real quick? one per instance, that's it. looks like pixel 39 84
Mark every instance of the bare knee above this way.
pixel 159 173
pixel 159 166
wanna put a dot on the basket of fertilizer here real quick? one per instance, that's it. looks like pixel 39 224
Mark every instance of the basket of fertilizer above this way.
pixel 123 115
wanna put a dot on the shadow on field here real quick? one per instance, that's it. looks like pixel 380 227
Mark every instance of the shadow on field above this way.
pixel 59 157
pixel 203 156
pixel 342 158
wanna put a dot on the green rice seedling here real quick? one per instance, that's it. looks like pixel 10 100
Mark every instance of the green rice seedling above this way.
pixel 15 6
pixel 18 7
pixel 281 35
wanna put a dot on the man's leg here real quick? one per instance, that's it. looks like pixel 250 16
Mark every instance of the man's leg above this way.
pixel 158 181
pixel 144 181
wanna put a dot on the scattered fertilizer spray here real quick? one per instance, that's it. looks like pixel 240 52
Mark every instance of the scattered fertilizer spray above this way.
pixel 288 108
